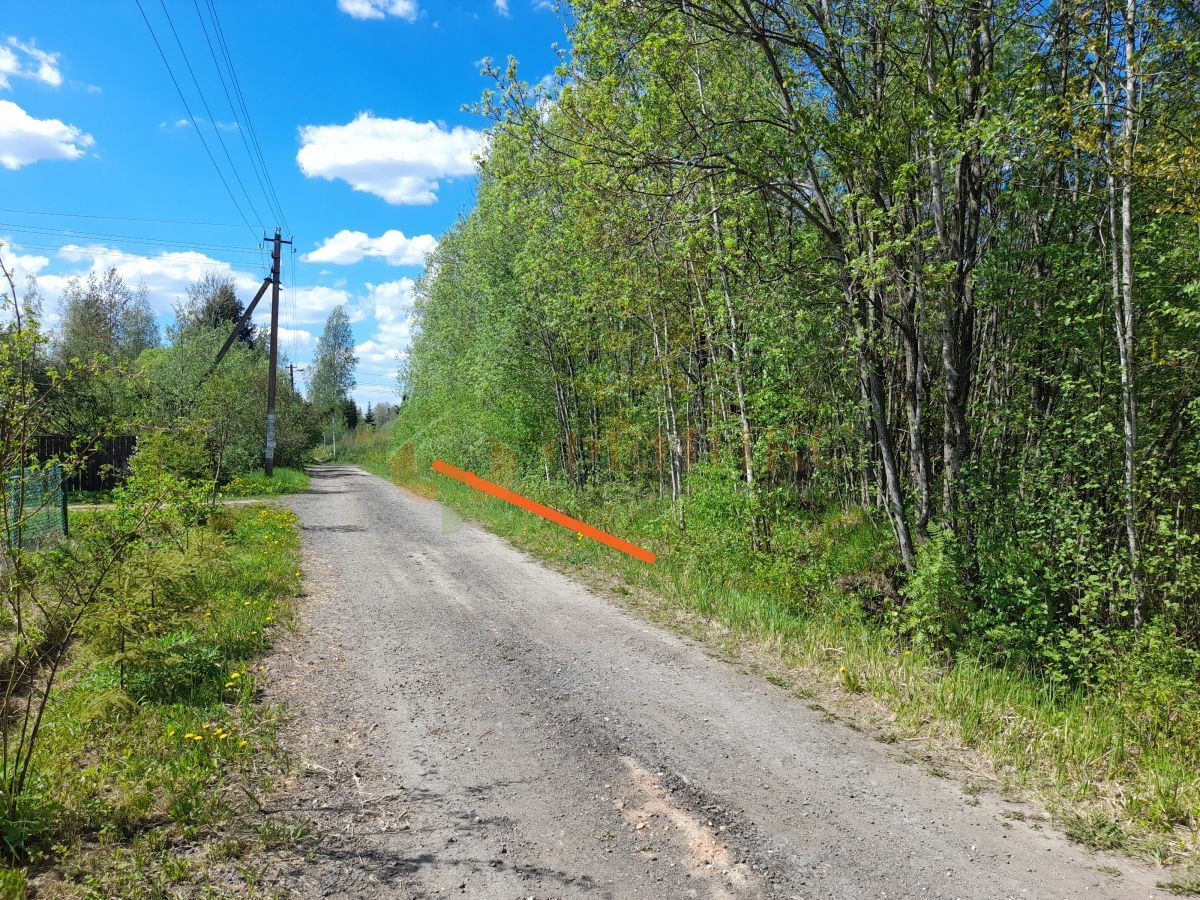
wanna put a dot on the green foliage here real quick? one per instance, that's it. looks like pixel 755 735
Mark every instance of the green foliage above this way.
pixel 726 289
pixel 177 451
pixel 13 884
pixel 147 740
pixel 333 370
pixel 937 609
pixel 176 396
pixel 257 484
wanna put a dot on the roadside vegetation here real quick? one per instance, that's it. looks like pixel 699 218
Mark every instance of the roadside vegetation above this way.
pixel 1116 770
pixel 879 325
pixel 282 481
pixel 153 749
pixel 131 748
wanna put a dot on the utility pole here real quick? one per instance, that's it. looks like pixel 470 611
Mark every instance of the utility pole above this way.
pixel 292 376
pixel 271 373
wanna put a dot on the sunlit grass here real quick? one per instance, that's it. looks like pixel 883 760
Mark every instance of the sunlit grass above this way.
pixel 125 775
pixel 283 480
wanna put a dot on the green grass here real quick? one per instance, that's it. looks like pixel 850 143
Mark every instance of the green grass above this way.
pixel 1106 777
pixel 257 484
pixel 368 448
pixel 87 497
pixel 1183 885
pixel 133 784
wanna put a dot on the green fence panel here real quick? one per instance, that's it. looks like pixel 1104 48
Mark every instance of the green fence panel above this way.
pixel 35 505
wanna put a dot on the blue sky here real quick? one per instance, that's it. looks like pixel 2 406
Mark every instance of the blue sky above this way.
pixel 357 108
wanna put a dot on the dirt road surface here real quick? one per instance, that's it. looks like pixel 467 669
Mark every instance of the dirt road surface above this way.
pixel 471 723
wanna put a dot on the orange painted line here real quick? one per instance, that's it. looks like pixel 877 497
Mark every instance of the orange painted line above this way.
pixel 544 511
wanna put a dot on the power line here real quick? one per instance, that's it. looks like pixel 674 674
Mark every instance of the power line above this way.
pixel 105 251
pixel 292 294
pixel 38 212
pixel 275 210
pixel 237 89
pixel 91 235
pixel 212 120
pixel 199 133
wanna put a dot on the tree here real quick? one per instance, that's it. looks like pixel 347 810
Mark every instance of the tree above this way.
pixel 774 257
pixel 104 316
pixel 52 593
pixel 333 367
pixel 212 302
pixel 107 323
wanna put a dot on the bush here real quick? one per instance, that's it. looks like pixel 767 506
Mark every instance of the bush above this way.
pixel 174 451
pixel 937 607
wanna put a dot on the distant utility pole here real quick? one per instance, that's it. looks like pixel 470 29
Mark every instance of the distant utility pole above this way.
pixel 271 373
pixel 292 375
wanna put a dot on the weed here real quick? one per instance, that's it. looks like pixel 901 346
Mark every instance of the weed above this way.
pixel 1182 886
pixel 13 884
pixel 273 834
pixel 1096 829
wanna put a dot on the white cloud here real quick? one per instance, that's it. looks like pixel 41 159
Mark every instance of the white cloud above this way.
pixel 297 338
pixel 25 140
pixel 380 9
pixel 9 66
pixel 502 7
pixel 399 160
pixel 348 247
pixel 25 60
pixel 314 304
pixel 20 265
pixel 184 123
pixel 166 276
pixel 377 355
pixel 391 304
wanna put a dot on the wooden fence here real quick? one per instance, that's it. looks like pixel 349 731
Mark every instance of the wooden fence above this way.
pixel 103 468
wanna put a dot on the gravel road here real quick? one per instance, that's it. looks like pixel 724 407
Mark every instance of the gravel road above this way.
pixel 472 723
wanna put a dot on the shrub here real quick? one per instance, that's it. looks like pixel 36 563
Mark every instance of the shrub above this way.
pixel 937 606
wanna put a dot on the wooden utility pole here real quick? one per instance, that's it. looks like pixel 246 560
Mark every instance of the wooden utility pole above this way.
pixel 269 465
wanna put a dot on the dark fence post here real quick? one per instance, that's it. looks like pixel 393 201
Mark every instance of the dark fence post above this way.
pixel 62 499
